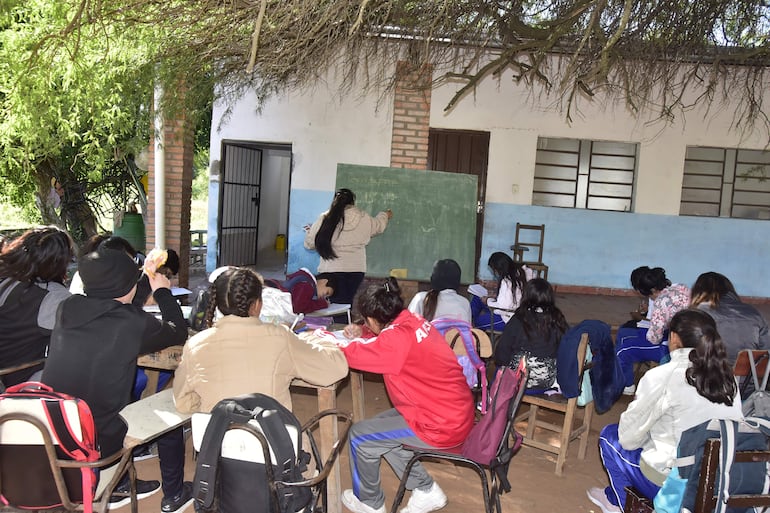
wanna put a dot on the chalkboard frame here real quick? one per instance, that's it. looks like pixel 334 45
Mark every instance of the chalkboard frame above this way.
pixel 434 217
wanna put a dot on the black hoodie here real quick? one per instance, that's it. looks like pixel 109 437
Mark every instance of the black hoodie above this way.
pixel 93 352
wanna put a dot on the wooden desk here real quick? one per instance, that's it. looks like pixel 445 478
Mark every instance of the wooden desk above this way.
pixel 151 417
pixel 168 359
pixel 332 310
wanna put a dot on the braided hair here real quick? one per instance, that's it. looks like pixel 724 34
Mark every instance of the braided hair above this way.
pixel 334 217
pixel 710 372
pixel 233 293
pixel 381 301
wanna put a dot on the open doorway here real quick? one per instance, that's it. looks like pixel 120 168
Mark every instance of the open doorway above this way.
pixel 254 206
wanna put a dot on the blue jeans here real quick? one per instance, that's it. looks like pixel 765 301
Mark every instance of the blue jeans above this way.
pixel 631 346
pixel 622 468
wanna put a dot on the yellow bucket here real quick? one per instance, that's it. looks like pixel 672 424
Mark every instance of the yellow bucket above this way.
pixel 280 242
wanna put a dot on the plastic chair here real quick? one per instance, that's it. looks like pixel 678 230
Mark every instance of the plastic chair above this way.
pixel 705 500
pixel 246 442
pixel 530 237
pixel 34 476
pixel 497 482
pixel 567 407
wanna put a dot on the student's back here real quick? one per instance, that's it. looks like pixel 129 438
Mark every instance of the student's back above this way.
pixel 97 339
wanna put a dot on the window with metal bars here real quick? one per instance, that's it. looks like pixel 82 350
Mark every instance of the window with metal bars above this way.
pixel 575 173
pixel 726 182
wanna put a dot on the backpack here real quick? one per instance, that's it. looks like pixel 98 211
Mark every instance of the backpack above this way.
pixel 233 477
pixel 746 435
pixel 472 364
pixel 757 404
pixel 72 430
pixel 482 442
pixel 200 303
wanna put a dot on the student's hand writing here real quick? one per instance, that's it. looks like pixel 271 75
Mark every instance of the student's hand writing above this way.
pixel 352 331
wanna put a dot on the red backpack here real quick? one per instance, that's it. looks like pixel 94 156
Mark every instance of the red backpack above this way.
pixel 30 485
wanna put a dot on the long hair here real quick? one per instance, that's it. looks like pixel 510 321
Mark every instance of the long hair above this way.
pixel 233 292
pixel 645 280
pixel 381 301
pixel 38 255
pixel 538 312
pixel 503 267
pixel 334 217
pixel 710 287
pixel 446 275
pixel 709 372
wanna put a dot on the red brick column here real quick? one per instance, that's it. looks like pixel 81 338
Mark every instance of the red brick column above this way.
pixel 178 191
pixel 411 116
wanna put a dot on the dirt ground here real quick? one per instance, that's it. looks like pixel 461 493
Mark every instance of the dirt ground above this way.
pixel 535 486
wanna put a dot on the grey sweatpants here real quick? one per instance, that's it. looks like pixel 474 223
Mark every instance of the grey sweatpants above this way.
pixel 381 436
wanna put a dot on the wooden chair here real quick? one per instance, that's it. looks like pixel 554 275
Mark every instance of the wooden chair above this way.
pixel 751 368
pixel 706 500
pixel 34 476
pixel 494 484
pixel 16 368
pixel 636 502
pixel 561 405
pixel 529 237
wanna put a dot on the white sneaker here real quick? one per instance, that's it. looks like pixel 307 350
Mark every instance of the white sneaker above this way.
pixel 355 505
pixel 598 497
pixel 423 502
pixel 629 390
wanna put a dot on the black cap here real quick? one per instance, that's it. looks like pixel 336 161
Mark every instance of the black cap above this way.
pixel 108 273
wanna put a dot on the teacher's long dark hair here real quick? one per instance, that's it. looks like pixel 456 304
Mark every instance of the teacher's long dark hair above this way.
pixel 710 373
pixel 335 217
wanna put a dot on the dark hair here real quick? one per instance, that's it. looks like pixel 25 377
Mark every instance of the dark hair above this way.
pixel 120 244
pixel 504 267
pixel 538 312
pixel 38 255
pixel 233 292
pixel 710 372
pixel 446 275
pixel 93 243
pixel 334 217
pixel 331 280
pixel 172 262
pixel 645 280
pixel 381 301
pixel 710 287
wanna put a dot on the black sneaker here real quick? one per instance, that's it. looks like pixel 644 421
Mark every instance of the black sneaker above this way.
pixel 144 452
pixel 143 489
pixel 179 502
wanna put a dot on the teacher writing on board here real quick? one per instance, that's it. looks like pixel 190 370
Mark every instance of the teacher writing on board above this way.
pixel 340 236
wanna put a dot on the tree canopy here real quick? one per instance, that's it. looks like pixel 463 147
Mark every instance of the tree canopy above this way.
pixel 646 52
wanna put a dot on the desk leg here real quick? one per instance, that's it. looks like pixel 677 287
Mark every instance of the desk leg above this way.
pixel 357 389
pixel 152 382
pixel 327 398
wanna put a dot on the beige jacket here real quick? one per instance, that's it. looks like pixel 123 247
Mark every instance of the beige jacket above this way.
pixel 349 243
pixel 241 355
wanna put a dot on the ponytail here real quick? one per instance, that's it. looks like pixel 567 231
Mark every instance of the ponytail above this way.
pixel 333 219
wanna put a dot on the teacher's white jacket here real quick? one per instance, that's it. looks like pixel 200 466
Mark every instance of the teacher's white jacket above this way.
pixel 350 240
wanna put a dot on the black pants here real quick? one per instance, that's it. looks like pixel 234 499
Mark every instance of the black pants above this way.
pixel 171 456
pixel 345 289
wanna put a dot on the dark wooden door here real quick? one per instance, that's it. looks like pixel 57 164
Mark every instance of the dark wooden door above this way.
pixel 467 152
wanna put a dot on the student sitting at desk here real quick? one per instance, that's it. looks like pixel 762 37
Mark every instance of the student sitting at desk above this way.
pixel 442 300
pixel 432 404
pixel 33 268
pixel 94 346
pixel 240 354
pixel 511 277
pixel 308 293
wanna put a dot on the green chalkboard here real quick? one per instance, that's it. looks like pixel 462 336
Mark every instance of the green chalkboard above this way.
pixel 434 217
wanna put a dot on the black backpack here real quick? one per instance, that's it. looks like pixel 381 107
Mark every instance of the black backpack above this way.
pixel 228 485
pixel 200 303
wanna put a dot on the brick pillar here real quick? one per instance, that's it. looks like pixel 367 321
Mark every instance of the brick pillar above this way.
pixel 411 116
pixel 178 191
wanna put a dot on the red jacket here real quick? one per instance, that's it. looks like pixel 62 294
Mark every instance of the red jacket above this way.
pixel 424 381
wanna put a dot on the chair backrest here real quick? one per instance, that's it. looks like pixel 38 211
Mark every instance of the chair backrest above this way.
pixel 752 363
pixel 529 237
pixel 705 500
pixel 474 368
